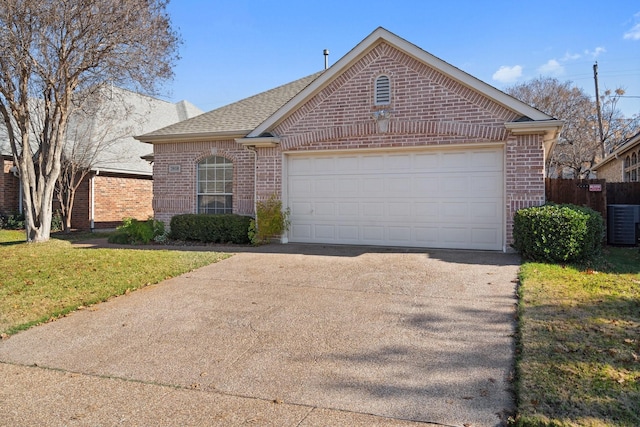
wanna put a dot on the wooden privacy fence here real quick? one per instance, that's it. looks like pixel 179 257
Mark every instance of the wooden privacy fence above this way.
pixel 594 193
pixel 581 192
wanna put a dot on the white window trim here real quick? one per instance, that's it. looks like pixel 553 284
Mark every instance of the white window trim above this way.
pixel 227 164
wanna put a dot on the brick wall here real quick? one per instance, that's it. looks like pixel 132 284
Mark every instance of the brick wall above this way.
pixel 612 171
pixel 427 109
pixel 175 166
pixel 9 189
pixel 118 197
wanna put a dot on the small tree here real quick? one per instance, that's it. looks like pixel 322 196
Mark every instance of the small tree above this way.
pixel 53 52
pixel 271 220
pixel 96 134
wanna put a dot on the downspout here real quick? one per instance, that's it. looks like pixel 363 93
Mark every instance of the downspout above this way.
pixel 255 181
pixel 14 171
pixel 93 199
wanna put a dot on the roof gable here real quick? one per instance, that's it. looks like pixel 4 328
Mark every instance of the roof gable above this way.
pixel 379 36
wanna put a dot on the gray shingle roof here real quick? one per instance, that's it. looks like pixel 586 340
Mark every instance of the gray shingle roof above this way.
pixel 239 117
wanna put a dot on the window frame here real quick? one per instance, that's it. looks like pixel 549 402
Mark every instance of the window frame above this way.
pixel 217 185
pixel 631 169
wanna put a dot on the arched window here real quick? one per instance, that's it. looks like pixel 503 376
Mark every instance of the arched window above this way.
pixel 215 185
pixel 634 159
pixel 627 162
pixel 382 94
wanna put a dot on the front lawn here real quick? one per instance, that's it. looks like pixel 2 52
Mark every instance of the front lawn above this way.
pixel 579 345
pixel 39 282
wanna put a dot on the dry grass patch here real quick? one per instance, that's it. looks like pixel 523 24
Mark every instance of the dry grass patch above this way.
pixel 43 281
pixel 580 343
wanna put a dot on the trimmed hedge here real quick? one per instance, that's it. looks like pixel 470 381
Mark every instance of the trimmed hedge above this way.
pixel 206 228
pixel 558 233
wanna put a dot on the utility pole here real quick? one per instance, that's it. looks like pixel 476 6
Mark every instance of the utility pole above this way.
pixel 595 78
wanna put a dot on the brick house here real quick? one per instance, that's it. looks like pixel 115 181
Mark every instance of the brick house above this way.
pixel 623 164
pixel 389 146
pixel 120 182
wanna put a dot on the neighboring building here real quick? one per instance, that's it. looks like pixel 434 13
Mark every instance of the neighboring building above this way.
pixel 120 182
pixel 623 164
pixel 9 183
pixel 389 146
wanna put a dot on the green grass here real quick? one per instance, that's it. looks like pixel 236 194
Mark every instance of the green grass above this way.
pixel 43 281
pixel 579 344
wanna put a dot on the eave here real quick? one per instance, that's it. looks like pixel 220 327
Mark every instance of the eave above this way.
pixel 192 137
pixel 259 142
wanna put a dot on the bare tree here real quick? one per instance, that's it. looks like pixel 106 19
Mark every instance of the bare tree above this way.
pixel 53 52
pixel 96 133
pixel 579 145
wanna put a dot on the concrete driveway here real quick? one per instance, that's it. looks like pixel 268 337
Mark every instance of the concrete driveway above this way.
pixel 294 335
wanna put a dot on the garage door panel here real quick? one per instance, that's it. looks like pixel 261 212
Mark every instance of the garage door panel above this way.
pixel 300 232
pixel 372 163
pixel 484 236
pixel 373 209
pixel 399 210
pixel 455 186
pixel 484 212
pixel 299 209
pixel 426 186
pixel 349 209
pixel 487 185
pixel 425 161
pixel 324 186
pixel 373 234
pixel 399 235
pixel 398 186
pixel 370 185
pixel 455 235
pixel 347 233
pixel 325 231
pixel 327 209
pixel 399 162
pixel 486 160
pixel 345 164
pixel 446 199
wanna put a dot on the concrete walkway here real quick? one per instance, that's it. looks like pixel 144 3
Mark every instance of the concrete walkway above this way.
pixel 294 335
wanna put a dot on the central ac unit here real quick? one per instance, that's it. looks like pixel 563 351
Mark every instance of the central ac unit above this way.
pixel 622 224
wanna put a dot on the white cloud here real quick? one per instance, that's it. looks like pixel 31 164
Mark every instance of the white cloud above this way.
pixel 552 67
pixel 570 57
pixel 596 52
pixel 633 33
pixel 506 74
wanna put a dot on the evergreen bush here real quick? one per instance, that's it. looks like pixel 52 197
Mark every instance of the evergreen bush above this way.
pixel 558 233
pixel 207 228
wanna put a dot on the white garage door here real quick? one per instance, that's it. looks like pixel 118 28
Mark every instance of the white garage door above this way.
pixel 436 199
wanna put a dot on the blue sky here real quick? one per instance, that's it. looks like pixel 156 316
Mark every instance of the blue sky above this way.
pixel 235 49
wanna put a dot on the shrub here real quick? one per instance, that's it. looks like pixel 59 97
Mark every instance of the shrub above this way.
pixel 12 222
pixel 271 221
pixel 56 221
pixel 558 233
pixel 208 228
pixel 137 232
